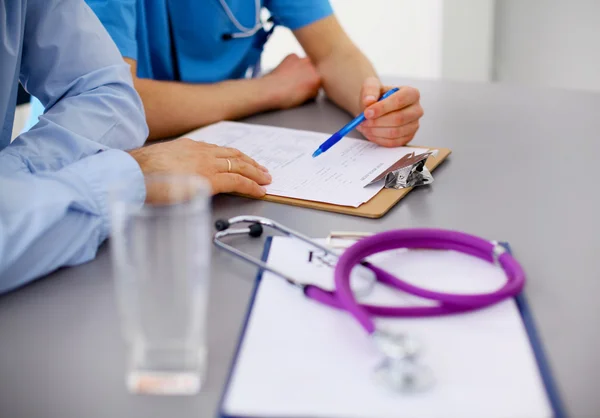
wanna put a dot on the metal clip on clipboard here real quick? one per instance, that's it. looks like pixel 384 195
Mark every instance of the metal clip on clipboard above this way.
pixel 409 171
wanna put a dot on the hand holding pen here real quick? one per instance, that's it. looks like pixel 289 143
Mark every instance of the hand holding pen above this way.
pixel 390 121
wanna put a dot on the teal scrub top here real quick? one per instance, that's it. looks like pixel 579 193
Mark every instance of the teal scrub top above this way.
pixel 192 49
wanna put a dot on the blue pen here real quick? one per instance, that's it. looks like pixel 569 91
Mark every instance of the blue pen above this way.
pixel 348 128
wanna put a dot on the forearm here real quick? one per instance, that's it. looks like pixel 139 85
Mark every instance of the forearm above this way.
pixel 343 73
pixel 56 219
pixel 71 65
pixel 342 66
pixel 174 108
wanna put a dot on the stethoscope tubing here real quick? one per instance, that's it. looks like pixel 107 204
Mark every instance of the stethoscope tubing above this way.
pixel 344 298
pixel 435 239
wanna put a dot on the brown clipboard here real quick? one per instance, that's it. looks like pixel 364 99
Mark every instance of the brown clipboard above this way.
pixel 375 208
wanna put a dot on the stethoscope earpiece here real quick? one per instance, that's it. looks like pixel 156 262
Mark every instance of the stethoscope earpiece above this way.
pixel 222 225
pixel 255 229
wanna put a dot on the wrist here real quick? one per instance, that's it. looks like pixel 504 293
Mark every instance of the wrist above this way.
pixel 271 94
pixel 138 155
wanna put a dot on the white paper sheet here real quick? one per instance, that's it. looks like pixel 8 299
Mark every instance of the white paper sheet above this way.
pixel 338 176
pixel 302 359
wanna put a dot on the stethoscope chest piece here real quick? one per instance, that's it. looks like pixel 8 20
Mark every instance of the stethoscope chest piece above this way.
pixel 400 370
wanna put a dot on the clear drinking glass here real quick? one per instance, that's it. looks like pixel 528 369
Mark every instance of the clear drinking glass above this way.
pixel 161 258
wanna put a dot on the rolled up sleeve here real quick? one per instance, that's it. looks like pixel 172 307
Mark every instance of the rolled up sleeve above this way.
pixel 295 14
pixel 72 66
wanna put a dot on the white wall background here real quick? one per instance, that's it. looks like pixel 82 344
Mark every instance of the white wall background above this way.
pixel 411 38
pixel 399 36
pixel 467 40
pixel 551 43
pixel 548 43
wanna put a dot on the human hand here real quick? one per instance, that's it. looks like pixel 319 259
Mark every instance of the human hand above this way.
pixel 184 156
pixel 392 122
pixel 293 82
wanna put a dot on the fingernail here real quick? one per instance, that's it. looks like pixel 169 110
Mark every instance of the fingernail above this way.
pixel 268 176
pixel 369 113
pixel 265 169
pixel 264 190
pixel 370 98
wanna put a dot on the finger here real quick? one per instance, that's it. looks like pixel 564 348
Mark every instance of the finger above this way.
pixel 198 143
pixel 230 153
pixel 239 166
pixel 390 143
pixel 235 183
pixel 406 96
pixel 391 133
pixel 291 58
pixel 371 91
pixel 398 118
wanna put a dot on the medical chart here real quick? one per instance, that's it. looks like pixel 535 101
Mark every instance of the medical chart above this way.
pixel 299 358
pixel 340 176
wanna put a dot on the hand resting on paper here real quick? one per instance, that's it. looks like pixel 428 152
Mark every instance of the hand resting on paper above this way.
pixel 392 122
pixel 184 156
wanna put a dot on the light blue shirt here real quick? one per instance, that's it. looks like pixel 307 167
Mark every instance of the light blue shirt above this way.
pixel 55 177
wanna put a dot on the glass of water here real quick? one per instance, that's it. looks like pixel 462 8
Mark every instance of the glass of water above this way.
pixel 161 259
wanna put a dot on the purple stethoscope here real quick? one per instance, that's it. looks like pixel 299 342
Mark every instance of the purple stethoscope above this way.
pixel 399 370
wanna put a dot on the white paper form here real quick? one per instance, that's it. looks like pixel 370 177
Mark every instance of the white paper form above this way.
pixel 302 359
pixel 338 176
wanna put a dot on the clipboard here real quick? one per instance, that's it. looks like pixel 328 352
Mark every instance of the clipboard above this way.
pixel 526 316
pixel 375 208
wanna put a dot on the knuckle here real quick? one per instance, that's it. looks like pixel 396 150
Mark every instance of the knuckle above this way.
pixel 399 119
pixel 414 126
pixel 420 111
pixel 236 181
pixel 251 171
pixel 417 94
pixel 395 132
pixel 398 99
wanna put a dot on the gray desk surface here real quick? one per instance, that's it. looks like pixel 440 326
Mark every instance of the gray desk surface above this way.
pixel 522 170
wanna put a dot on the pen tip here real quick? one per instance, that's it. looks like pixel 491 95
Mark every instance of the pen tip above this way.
pixel 317 153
